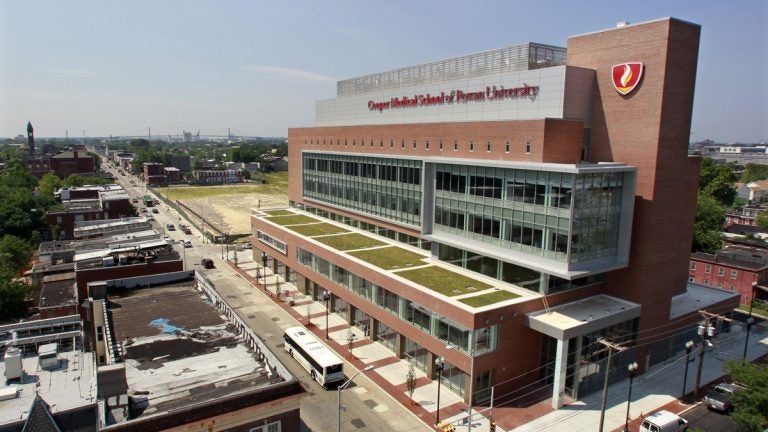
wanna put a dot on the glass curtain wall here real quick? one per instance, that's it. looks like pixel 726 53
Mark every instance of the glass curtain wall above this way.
pixel 530 211
pixel 389 188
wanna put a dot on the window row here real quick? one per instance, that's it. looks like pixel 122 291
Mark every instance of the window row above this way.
pixel 441 327
pixel 720 270
pixel 275 243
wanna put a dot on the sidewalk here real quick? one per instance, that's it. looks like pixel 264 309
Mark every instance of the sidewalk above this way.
pixel 658 388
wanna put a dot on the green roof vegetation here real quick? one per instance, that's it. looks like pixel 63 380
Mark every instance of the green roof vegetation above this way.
pixel 350 241
pixel 390 258
pixel 443 281
pixel 316 229
pixel 279 212
pixel 490 298
pixel 292 219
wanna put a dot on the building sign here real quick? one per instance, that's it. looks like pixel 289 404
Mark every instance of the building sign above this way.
pixel 491 93
pixel 626 76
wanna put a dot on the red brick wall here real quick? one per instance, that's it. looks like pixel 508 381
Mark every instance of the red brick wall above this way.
pixel 552 140
pixel 742 283
pixel 649 128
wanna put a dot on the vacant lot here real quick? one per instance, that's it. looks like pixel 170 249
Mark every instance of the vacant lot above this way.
pixel 228 207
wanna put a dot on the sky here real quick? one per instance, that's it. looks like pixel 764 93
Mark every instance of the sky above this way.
pixel 105 68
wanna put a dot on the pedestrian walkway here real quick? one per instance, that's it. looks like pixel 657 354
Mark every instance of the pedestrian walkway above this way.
pixel 660 387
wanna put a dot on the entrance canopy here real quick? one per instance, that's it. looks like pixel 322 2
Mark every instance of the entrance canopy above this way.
pixel 583 316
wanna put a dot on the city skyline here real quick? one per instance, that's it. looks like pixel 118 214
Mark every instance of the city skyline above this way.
pixel 258 68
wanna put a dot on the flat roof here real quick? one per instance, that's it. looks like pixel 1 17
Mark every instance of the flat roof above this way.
pixel 583 316
pixel 179 351
pixel 70 385
pixel 697 297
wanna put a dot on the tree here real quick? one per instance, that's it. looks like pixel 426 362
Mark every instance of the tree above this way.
pixel 13 293
pixel 49 184
pixel 751 403
pixel 709 222
pixel 74 180
pixel 754 172
pixel 15 254
pixel 762 219
pixel 410 381
pixel 721 188
pixel 16 175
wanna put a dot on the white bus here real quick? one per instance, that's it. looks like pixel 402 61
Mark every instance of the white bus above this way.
pixel 321 363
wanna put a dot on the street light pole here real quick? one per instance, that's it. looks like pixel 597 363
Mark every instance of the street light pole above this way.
pixel 326 299
pixel 344 386
pixel 688 348
pixel 750 320
pixel 439 366
pixel 632 368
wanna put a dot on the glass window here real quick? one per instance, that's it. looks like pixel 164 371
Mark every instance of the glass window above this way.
pixel 708 268
pixel 734 274
pixel 720 271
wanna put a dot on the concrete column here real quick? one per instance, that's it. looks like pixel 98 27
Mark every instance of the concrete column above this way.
pixel 561 367
pixel 374 333
pixel 431 365
pixel 350 315
pixel 399 345
pixel 576 368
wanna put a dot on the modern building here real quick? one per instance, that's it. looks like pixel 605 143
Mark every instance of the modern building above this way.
pixel 502 210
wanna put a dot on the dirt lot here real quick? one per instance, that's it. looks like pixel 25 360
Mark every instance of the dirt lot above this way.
pixel 228 207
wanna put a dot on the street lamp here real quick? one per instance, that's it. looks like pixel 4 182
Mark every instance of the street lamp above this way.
pixel 688 348
pixel 750 320
pixel 344 387
pixel 326 299
pixel 632 368
pixel 439 366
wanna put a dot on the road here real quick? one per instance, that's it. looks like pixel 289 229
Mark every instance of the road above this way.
pixel 368 408
pixel 708 420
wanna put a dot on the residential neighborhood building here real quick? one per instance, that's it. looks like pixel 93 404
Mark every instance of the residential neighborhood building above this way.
pixel 733 269
pixel 500 210
pixel 218 176
pixel 88 203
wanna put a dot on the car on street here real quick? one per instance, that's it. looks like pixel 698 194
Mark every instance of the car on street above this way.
pixel 247 245
pixel 663 421
pixel 170 227
pixel 134 200
pixel 720 397
pixel 207 263
pixel 187 244
pixel 155 210
pixel 167 239
pixel 186 230
pixel 143 209
pixel 150 218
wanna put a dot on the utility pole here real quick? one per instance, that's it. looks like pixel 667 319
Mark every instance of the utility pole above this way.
pixel 707 332
pixel 611 348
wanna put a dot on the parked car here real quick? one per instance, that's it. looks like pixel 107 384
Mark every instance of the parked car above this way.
pixel 664 421
pixel 247 245
pixel 167 239
pixel 150 218
pixel 155 210
pixel 135 200
pixel 186 230
pixel 170 227
pixel 187 244
pixel 207 263
pixel 720 398
pixel 143 209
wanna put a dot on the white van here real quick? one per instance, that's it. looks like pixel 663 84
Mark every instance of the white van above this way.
pixel 664 421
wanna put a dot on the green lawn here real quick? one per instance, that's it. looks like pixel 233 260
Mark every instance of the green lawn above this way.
pixel 277 183
pixel 350 241
pixel 443 281
pixel 316 229
pixel 759 307
pixel 490 298
pixel 279 212
pixel 390 258
pixel 292 219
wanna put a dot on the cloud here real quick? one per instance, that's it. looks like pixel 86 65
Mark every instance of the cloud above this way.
pixel 289 72
pixel 68 71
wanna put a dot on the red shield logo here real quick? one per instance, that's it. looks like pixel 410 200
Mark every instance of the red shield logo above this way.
pixel 626 76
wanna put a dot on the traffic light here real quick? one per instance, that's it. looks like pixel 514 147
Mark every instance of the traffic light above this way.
pixel 493 427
